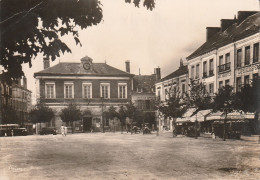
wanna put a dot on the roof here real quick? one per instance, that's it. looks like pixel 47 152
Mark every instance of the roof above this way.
pixel 181 71
pixel 233 33
pixel 98 69
pixel 146 82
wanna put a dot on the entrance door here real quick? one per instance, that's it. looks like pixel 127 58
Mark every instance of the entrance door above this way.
pixel 87 124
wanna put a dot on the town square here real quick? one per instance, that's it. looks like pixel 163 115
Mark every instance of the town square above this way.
pixel 129 89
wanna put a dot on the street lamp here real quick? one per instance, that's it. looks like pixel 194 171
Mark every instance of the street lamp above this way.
pixel 103 125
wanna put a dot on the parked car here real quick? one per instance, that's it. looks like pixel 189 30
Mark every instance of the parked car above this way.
pixel 20 132
pixel 146 129
pixel 135 129
pixel 48 130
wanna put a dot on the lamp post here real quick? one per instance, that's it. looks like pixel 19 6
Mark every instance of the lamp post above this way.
pixel 103 125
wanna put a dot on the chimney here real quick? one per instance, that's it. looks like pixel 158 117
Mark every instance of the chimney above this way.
pixel 211 31
pixel 127 66
pixel 242 15
pixel 181 62
pixel 25 82
pixel 46 63
pixel 158 74
pixel 226 23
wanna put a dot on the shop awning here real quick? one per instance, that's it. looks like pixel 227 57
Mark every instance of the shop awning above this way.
pixel 186 117
pixel 215 116
pixel 201 115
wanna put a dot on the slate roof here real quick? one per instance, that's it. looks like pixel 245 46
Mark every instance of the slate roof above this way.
pixel 75 69
pixel 146 82
pixel 181 71
pixel 233 33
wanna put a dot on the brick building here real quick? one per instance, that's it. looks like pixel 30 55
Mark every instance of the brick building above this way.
pixel 93 87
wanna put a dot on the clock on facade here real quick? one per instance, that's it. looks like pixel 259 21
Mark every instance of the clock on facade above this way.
pixel 86 66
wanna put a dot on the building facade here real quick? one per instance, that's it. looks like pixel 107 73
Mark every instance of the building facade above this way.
pixel 230 55
pixel 176 82
pixel 93 87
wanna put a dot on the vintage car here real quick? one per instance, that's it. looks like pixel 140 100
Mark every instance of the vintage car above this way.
pixel 146 128
pixel 135 129
pixel 233 130
pixel 187 128
pixel 48 130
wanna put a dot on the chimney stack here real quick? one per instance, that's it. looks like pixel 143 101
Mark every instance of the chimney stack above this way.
pixel 25 82
pixel 158 74
pixel 211 31
pixel 226 23
pixel 127 66
pixel 46 63
pixel 242 15
pixel 19 82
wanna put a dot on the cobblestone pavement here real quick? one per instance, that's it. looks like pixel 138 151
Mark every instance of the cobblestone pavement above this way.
pixel 126 156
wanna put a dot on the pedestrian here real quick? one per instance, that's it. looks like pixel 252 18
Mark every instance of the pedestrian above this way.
pixel 65 130
pixel 62 130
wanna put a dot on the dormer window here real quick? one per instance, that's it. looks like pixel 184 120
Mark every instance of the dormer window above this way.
pixel 139 90
pixel 86 63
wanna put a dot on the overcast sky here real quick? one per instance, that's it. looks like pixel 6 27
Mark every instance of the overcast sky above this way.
pixel 173 30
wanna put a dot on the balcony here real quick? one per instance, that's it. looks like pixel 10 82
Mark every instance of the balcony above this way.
pixel 211 73
pixel 224 67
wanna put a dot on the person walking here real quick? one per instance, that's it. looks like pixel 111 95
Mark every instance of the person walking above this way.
pixel 62 130
pixel 65 130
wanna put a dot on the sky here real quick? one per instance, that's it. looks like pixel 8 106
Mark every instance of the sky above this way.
pixel 148 39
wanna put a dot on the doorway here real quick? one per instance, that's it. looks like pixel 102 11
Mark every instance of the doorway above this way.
pixel 87 124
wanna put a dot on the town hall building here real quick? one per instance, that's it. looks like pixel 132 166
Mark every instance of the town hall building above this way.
pixel 93 87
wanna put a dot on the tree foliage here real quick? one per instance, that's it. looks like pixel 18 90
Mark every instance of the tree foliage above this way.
pixel 224 100
pixel 30 27
pixel 111 113
pixel 198 97
pixel 71 113
pixel 248 99
pixel 9 115
pixel 41 114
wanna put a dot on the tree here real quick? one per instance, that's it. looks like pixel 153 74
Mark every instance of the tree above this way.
pixel 174 107
pixel 224 102
pixel 30 27
pixel 248 100
pixel 41 114
pixel 198 98
pixel 111 113
pixel 9 115
pixel 70 114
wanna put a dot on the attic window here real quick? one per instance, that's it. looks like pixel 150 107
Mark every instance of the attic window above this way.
pixel 139 90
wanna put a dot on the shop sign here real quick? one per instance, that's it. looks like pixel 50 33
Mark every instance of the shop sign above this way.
pixel 248 69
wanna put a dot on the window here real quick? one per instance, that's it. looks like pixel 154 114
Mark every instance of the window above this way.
pixel 227 64
pixel 220 60
pixel 197 71
pixel 205 69
pixel 147 104
pixel 239 83
pixel 122 91
pixel 141 104
pixel 256 52
pixel 255 76
pixel 139 89
pixel 247 55
pixel 211 71
pixel 183 88
pixel 239 57
pixel 211 88
pixel 246 80
pixel 68 90
pixel 50 90
pixel 220 84
pixel 227 82
pixel 159 94
pixel 87 90
pixel 192 72
pixel 166 93
pixel 105 90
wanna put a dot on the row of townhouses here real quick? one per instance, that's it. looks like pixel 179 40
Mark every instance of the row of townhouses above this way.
pixel 93 87
pixel 16 104
pixel 230 56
